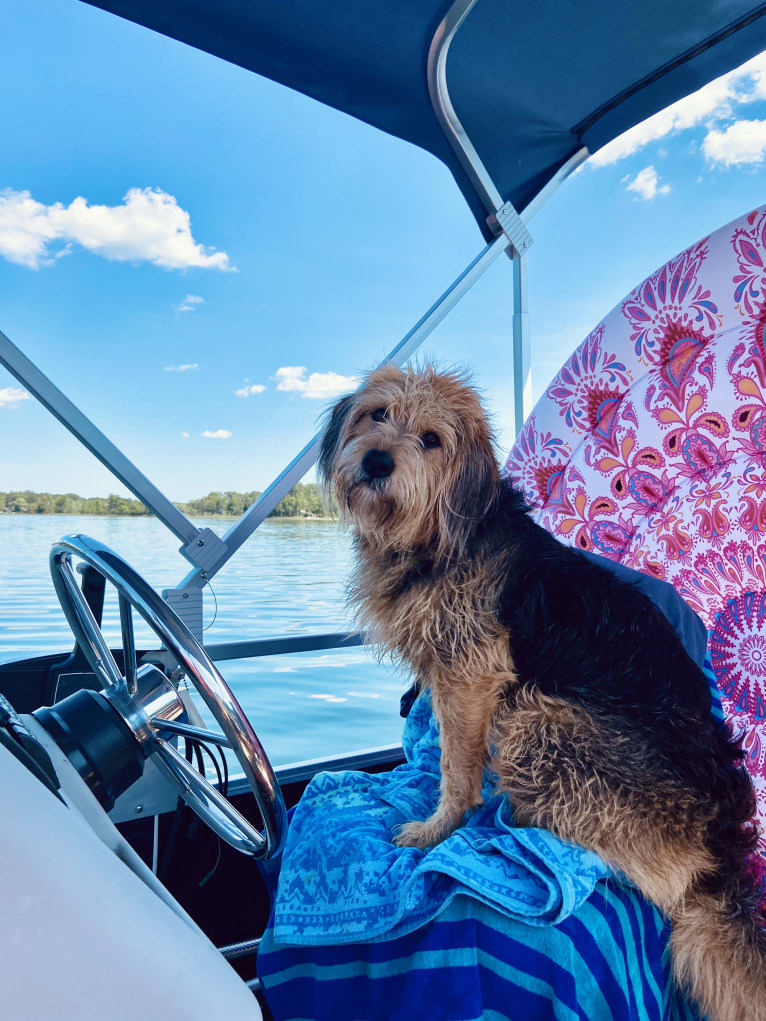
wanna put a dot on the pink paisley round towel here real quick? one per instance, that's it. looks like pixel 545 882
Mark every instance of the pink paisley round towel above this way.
pixel 649 447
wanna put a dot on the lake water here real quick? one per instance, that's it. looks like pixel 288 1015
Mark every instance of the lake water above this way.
pixel 288 579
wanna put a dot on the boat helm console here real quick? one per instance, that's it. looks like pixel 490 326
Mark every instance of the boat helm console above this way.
pixel 108 734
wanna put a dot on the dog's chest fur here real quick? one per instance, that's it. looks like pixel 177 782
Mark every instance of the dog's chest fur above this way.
pixel 438 619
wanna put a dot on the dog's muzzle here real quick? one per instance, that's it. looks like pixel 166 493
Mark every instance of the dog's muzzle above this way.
pixel 377 464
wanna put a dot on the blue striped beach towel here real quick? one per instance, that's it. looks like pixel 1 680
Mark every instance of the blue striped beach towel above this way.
pixel 495 922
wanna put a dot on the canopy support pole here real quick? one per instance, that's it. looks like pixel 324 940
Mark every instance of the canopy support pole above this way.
pixel 448 119
pixel 512 237
pixel 244 527
pixel 522 344
pixel 502 217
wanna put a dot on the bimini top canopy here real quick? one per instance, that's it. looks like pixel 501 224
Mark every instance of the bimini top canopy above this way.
pixel 532 81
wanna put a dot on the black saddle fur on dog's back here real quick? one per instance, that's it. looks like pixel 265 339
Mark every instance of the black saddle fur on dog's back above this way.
pixel 580 633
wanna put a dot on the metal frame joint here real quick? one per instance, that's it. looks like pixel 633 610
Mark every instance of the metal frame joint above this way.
pixel 507 221
pixel 207 551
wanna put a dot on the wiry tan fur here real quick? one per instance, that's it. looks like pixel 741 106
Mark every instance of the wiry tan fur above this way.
pixel 561 769
pixel 435 631
pixel 415 403
pixel 448 634
pixel 721 969
pixel 567 774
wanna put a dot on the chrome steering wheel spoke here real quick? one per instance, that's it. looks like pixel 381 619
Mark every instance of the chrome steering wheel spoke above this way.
pixel 82 622
pixel 150 705
pixel 173 727
pixel 128 643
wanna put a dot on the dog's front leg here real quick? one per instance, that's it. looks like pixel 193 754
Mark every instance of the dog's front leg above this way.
pixel 464 711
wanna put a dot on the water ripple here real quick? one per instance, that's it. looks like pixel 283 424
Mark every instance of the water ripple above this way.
pixel 288 579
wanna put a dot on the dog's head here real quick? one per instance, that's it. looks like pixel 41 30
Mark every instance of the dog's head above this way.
pixel 410 460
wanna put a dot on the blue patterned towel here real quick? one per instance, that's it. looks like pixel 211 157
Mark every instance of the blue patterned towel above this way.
pixel 361 929
pixel 342 880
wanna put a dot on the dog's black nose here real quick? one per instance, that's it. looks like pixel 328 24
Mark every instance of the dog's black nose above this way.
pixel 377 464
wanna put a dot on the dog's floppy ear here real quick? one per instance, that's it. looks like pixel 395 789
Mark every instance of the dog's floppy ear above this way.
pixel 468 497
pixel 331 437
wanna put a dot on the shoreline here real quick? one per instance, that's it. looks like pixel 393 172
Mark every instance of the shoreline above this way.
pixel 223 517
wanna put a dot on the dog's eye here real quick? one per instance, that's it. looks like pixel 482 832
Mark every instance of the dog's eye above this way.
pixel 430 440
pixel 378 415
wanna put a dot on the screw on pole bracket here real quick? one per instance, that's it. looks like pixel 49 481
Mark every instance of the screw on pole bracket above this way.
pixel 506 220
pixel 206 550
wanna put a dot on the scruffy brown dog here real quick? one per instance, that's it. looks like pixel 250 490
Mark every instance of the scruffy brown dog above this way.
pixel 599 720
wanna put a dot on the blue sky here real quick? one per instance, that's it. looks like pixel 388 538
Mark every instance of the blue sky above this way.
pixel 161 209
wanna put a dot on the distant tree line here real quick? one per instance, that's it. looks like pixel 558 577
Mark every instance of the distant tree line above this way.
pixel 27 502
pixel 303 501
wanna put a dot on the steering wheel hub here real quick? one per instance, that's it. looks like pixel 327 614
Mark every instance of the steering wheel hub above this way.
pixel 155 699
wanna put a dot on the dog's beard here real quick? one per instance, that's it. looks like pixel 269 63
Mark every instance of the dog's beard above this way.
pixel 369 503
pixel 384 512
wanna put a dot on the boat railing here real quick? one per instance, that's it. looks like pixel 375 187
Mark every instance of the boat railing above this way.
pixel 284 644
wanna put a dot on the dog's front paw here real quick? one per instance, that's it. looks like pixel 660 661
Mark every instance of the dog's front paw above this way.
pixel 422 834
pixel 414 834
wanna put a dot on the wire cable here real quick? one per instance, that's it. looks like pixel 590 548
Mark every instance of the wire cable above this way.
pixel 225 768
pixel 204 748
pixel 216 863
pixel 194 752
pixel 155 844
pixel 215 611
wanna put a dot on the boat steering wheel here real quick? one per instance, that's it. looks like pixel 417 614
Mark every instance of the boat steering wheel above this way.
pixel 149 704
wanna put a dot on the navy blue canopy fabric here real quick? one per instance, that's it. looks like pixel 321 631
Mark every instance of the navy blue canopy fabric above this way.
pixel 531 80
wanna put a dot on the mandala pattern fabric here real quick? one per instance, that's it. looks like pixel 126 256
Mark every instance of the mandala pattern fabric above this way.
pixel 649 447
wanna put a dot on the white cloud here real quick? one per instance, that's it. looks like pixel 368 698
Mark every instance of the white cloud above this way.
pixel 711 103
pixel 759 76
pixel 319 385
pixel 248 391
pixel 185 435
pixel 646 184
pixel 219 434
pixel 185 367
pixel 10 396
pixel 149 226
pixel 190 303
pixel 741 143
